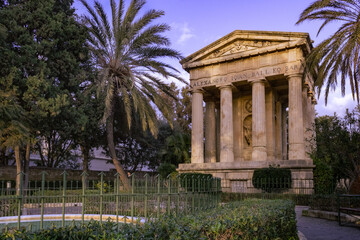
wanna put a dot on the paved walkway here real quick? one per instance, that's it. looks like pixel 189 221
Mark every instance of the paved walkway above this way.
pixel 321 229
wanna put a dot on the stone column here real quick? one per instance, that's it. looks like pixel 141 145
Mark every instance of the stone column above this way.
pixel 278 131
pixel 197 132
pixel 258 121
pixel 284 126
pixel 210 131
pixel 306 114
pixel 226 125
pixel 217 116
pixel 270 110
pixel 296 118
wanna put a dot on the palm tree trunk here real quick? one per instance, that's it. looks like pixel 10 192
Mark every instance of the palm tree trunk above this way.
pixel 18 168
pixel 111 145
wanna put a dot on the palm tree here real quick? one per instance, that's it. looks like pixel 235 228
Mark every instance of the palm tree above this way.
pixel 339 55
pixel 13 130
pixel 127 52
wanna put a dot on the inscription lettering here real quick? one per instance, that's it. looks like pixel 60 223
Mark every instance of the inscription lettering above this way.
pixel 246 75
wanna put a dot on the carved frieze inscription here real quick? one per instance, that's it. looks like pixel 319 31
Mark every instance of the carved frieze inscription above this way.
pixel 247 75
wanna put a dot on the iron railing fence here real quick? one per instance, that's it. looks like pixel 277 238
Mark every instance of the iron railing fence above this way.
pixel 149 197
pixel 301 191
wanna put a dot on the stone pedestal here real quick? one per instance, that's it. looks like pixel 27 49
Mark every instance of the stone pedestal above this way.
pixel 237 176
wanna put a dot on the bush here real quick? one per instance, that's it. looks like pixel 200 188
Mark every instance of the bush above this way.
pixel 272 179
pixel 298 199
pixel 249 219
pixel 324 181
pixel 196 181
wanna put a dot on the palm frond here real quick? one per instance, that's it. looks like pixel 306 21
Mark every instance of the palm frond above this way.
pixel 337 56
pixel 127 50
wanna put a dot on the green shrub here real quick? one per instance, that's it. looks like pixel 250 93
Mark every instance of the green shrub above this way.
pixel 324 181
pixel 272 179
pixel 165 169
pixel 196 181
pixel 298 199
pixel 249 219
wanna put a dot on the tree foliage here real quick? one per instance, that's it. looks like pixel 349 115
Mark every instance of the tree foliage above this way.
pixel 45 61
pixel 337 151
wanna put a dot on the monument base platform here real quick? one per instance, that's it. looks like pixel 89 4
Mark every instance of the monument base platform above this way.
pixel 237 176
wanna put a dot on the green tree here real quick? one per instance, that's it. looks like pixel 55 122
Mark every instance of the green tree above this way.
pixel 337 151
pixel 13 130
pixel 128 50
pixel 339 55
pixel 45 44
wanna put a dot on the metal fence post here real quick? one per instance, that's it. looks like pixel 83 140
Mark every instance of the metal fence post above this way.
pixel 178 195
pixel 63 198
pixel 132 196
pixel 43 173
pixel 192 194
pixel 83 179
pixel 158 197
pixel 101 194
pixel 146 195
pixel 198 193
pixel 169 195
pixel 209 192
pixel 20 193
pixel 184 180
pixel 117 175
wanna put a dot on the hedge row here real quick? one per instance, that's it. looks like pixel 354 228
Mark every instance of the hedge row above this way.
pixel 249 219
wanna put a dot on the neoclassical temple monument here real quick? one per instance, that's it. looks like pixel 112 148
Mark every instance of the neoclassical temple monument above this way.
pixel 259 108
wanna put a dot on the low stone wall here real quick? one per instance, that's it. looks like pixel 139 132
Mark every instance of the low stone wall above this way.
pixel 237 176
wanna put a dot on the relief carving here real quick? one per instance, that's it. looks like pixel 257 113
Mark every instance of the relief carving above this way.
pixel 241 46
pixel 248 130
pixel 248 106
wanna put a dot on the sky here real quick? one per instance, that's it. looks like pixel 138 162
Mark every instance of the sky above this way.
pixel 197 23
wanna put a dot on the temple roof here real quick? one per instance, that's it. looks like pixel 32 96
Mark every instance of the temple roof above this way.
pixel 242 44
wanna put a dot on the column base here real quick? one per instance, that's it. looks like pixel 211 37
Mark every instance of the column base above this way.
pixel 259 154
pixel 296 151
pixel 210 159
pixel 226 156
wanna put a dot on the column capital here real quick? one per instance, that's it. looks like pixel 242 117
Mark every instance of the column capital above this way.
pixel 294 75
pixel 198 90
pixel 225 86
pixel 263 81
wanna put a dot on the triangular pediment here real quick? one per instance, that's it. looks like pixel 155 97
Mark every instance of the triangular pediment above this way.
pixel 239 44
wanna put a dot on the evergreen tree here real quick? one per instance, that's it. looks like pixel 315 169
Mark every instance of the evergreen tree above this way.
pixel 46 46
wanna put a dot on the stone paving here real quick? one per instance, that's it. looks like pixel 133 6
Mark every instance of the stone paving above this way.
pixel 321 229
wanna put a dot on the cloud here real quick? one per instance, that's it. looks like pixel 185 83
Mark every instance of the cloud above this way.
pixel 336 103
pixel 185 32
